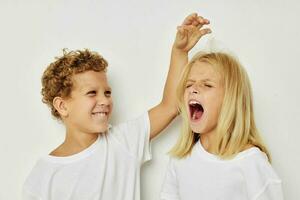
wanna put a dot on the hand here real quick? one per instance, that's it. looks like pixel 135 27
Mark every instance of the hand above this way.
pixel 189 33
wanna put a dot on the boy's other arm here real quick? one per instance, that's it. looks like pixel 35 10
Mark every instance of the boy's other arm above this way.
pixel 188 34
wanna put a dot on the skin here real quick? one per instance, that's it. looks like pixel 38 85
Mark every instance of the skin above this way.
pixel 90 96
pixel 204 85
pixel 76 112
pixel 188 34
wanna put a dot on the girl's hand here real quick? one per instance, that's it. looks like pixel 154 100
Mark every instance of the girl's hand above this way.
pixel 189 33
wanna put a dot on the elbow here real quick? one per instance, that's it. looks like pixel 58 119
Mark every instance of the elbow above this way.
pixel 170 108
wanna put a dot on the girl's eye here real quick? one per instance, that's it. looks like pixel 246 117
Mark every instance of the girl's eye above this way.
pixel 188 85
pixel 107 93
pixel 91 93
pixel 207 85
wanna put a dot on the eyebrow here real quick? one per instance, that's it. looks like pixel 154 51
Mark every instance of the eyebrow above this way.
pixel 108 88
pixel 204 80
pixel 93 87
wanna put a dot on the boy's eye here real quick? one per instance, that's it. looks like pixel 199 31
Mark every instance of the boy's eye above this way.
pixel 208 85
pixel 107 93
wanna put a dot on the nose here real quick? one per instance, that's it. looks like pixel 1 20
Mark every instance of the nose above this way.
pixel 194 90
pixel 103 101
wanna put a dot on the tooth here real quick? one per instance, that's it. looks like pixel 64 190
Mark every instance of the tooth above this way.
pixel 193 102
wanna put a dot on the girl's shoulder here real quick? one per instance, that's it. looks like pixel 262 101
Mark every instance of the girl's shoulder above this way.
pixel 257 171
pixel 255 163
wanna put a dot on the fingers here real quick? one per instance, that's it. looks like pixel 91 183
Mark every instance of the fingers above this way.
pixel 190 19
pixel 181 32
pixel 192 30
pixel 200 34
pixel 200 22
pixel 196 37
pixel 204 31
pixel 194 19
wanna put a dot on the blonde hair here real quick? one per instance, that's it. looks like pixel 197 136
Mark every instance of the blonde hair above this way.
pixel 236 127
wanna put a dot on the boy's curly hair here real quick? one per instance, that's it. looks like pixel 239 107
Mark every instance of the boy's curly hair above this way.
pixel 57 78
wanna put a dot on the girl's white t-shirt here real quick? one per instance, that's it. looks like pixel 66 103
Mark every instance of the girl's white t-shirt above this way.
pixel 107 170
pixel 204 176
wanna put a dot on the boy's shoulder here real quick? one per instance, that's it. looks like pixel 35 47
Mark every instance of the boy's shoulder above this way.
pixel 39 175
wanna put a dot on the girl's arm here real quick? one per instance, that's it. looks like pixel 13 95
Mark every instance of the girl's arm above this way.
pixel 188 34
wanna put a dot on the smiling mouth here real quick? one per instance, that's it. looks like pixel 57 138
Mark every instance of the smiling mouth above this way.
pixel 100 114
pixel 196 110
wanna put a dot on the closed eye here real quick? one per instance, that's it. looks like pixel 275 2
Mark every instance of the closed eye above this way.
pixel 208 85
pixel 91 93
pixel 188 85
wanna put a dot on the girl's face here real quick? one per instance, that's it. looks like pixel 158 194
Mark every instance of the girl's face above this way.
pixel 203 97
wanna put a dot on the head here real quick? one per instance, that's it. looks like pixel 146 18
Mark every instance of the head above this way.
pixel 75 88
pixel 214 97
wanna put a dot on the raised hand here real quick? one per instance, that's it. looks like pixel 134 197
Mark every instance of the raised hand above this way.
pixel 189 33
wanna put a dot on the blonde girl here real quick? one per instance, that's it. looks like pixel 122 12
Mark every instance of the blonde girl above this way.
pixel 219 154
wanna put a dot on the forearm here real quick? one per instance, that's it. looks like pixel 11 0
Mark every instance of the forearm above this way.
pixel 178 61
pixel 188 34
pixel 162 114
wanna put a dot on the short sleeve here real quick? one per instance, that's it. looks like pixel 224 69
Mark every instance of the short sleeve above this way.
pixel 272 191
pixel 170 186
pixel 27 195
pixel 134 135
pixel 262 182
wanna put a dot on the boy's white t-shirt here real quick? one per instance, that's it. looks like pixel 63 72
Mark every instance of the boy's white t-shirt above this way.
pixel 204 176
pixel 107 170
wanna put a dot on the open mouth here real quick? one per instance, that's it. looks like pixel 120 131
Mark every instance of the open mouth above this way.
pixel 196 110
pixel 100 114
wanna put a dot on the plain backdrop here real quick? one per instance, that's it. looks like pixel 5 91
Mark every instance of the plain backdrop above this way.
pixel 136 37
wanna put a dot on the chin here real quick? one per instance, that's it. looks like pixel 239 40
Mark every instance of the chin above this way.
pixel 197 130
pixel 103 129
pixel 99 128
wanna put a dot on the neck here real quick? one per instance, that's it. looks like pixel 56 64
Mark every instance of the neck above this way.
pixel 207 140
pixel 79 140
pixel 75 142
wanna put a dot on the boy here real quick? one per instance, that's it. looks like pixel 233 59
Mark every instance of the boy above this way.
pixel 97 161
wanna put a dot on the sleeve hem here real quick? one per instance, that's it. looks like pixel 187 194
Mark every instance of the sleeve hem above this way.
pixel 269 182
pixel 147 155
pixel 166 196
pixel 26 193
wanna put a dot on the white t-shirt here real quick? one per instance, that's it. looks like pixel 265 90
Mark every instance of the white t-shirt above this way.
pixel 204 176
pixel 107 170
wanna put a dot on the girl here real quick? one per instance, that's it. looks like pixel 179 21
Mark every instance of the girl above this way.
pixel 219 155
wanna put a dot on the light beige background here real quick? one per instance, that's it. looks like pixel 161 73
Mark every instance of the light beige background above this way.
pixel 136 37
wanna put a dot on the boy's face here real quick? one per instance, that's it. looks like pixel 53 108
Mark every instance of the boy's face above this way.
pixel 203 97
pixel 90 105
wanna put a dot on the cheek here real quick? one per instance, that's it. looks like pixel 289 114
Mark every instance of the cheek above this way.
pixel 214 103
pixel 111 104
pixel 111 108
pixel 89 104
pixel 185 95
pixel 185 101
pixel 218 107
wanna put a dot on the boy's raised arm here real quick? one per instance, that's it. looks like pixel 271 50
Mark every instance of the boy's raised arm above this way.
pixel 188 34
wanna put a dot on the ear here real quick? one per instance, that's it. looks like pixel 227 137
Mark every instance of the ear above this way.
pixel 60 105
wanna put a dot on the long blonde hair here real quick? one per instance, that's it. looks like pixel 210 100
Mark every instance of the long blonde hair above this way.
pixel 236 127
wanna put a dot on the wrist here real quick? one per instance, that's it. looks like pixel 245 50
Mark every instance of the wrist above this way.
pixel 178 51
